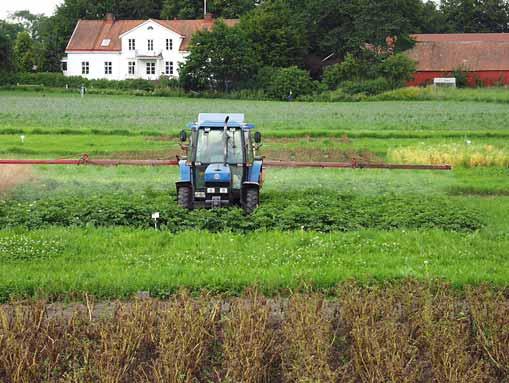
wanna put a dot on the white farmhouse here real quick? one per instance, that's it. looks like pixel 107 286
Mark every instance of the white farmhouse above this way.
pixel 127 49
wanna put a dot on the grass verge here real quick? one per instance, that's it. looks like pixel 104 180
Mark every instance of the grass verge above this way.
pixel 119 262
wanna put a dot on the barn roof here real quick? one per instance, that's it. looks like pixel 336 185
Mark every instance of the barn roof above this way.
pixel 471 51
pixel 90 34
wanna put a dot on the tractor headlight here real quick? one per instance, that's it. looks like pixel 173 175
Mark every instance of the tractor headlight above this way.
pixel 211 190
pixel 223 190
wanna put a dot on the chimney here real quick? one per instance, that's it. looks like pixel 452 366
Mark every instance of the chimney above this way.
pixel 109 17
pixel 208 16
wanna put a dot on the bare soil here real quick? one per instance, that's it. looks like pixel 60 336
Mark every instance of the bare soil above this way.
pixel 14 175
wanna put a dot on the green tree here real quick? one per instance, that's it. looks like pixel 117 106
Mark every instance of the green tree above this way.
pixel 8 33
pixel 219 59
pixel 475 15
pixel 24 52
pixel 278 35
pixel 193 9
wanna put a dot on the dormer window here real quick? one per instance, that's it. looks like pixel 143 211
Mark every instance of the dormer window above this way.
pixel 150 45
pixel 105 42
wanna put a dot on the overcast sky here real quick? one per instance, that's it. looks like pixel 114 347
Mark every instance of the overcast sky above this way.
pixel 35 6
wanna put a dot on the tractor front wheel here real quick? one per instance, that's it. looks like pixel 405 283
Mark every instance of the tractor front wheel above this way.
pixel 252 200
pixel 185 197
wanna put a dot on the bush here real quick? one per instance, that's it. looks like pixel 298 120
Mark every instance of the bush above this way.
pixel 289 81
pixel 348 70
pixel 8 78
pixel 398 69
pixel 461 76
pixel 56 80
pixel 395 69
pixel 367 87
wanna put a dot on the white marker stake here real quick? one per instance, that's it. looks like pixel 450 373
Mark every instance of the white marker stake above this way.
pixel 22 139
pixel 155 216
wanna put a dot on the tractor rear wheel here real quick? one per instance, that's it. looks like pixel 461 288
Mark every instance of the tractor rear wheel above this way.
pixel 185 197
pixel 252 200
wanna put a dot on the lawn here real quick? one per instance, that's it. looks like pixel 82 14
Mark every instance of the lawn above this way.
pixel 74 229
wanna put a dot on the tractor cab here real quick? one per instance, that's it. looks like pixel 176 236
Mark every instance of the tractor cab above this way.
pixel 220 167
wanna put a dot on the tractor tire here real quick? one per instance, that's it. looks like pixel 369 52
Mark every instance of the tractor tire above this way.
pixel 185 197
pixel 252 200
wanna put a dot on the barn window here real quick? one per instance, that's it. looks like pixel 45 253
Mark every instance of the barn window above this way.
pixel 150 45
pixel 85 67
pixel 151 68
pixel 169 67
pixel 108 67
pixel 132 44
pixel 131 67
pixel 169 44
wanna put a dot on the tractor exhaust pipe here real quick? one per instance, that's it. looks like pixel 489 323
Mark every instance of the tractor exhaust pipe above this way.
pixel 225 138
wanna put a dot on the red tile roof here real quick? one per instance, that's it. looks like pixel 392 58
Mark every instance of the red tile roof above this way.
pixel 89 34
pixel 471 51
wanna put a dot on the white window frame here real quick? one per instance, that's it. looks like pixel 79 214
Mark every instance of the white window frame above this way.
pixel 150 68
pixel 85 67
pixel 131 67
pixel 169 44
pixel 169 67
pixel 150 44
pixel 132 44
pixel 108 67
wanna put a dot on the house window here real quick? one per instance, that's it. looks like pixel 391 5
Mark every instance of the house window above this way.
pixel 151 68
pixel 131 67
pixel 150 45
pixel 85 67
pixel 108 67
pixel 132 44
pixel 169 67
pixel 64 66
pixel 169 44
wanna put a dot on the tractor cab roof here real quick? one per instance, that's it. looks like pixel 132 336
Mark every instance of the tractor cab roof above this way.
pixel 216 120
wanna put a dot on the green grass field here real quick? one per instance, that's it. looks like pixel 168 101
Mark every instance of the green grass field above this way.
pixel 67 230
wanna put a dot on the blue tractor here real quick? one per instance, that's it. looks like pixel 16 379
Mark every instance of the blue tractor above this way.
pixel 220 167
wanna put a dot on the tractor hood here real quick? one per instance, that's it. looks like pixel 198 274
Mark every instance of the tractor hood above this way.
pixel 219 173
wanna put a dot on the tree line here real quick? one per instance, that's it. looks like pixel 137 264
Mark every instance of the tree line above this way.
pixel 306 34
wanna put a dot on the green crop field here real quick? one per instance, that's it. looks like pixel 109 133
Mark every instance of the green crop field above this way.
pixel 74 229
pixel 340 275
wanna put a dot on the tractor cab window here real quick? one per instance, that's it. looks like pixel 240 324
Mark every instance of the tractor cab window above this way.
pixel 210 146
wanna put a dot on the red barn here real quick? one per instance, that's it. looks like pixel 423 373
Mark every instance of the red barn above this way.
pixel 484 56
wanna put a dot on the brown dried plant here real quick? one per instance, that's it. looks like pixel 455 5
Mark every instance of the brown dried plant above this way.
pixel 490 313
pixel 124 344
pixel 188 328
pixel 250 340
pixel 447 336
pixel 381 325
pixel 308 338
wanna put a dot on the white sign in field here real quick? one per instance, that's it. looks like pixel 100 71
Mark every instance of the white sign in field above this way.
pixel 445 81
